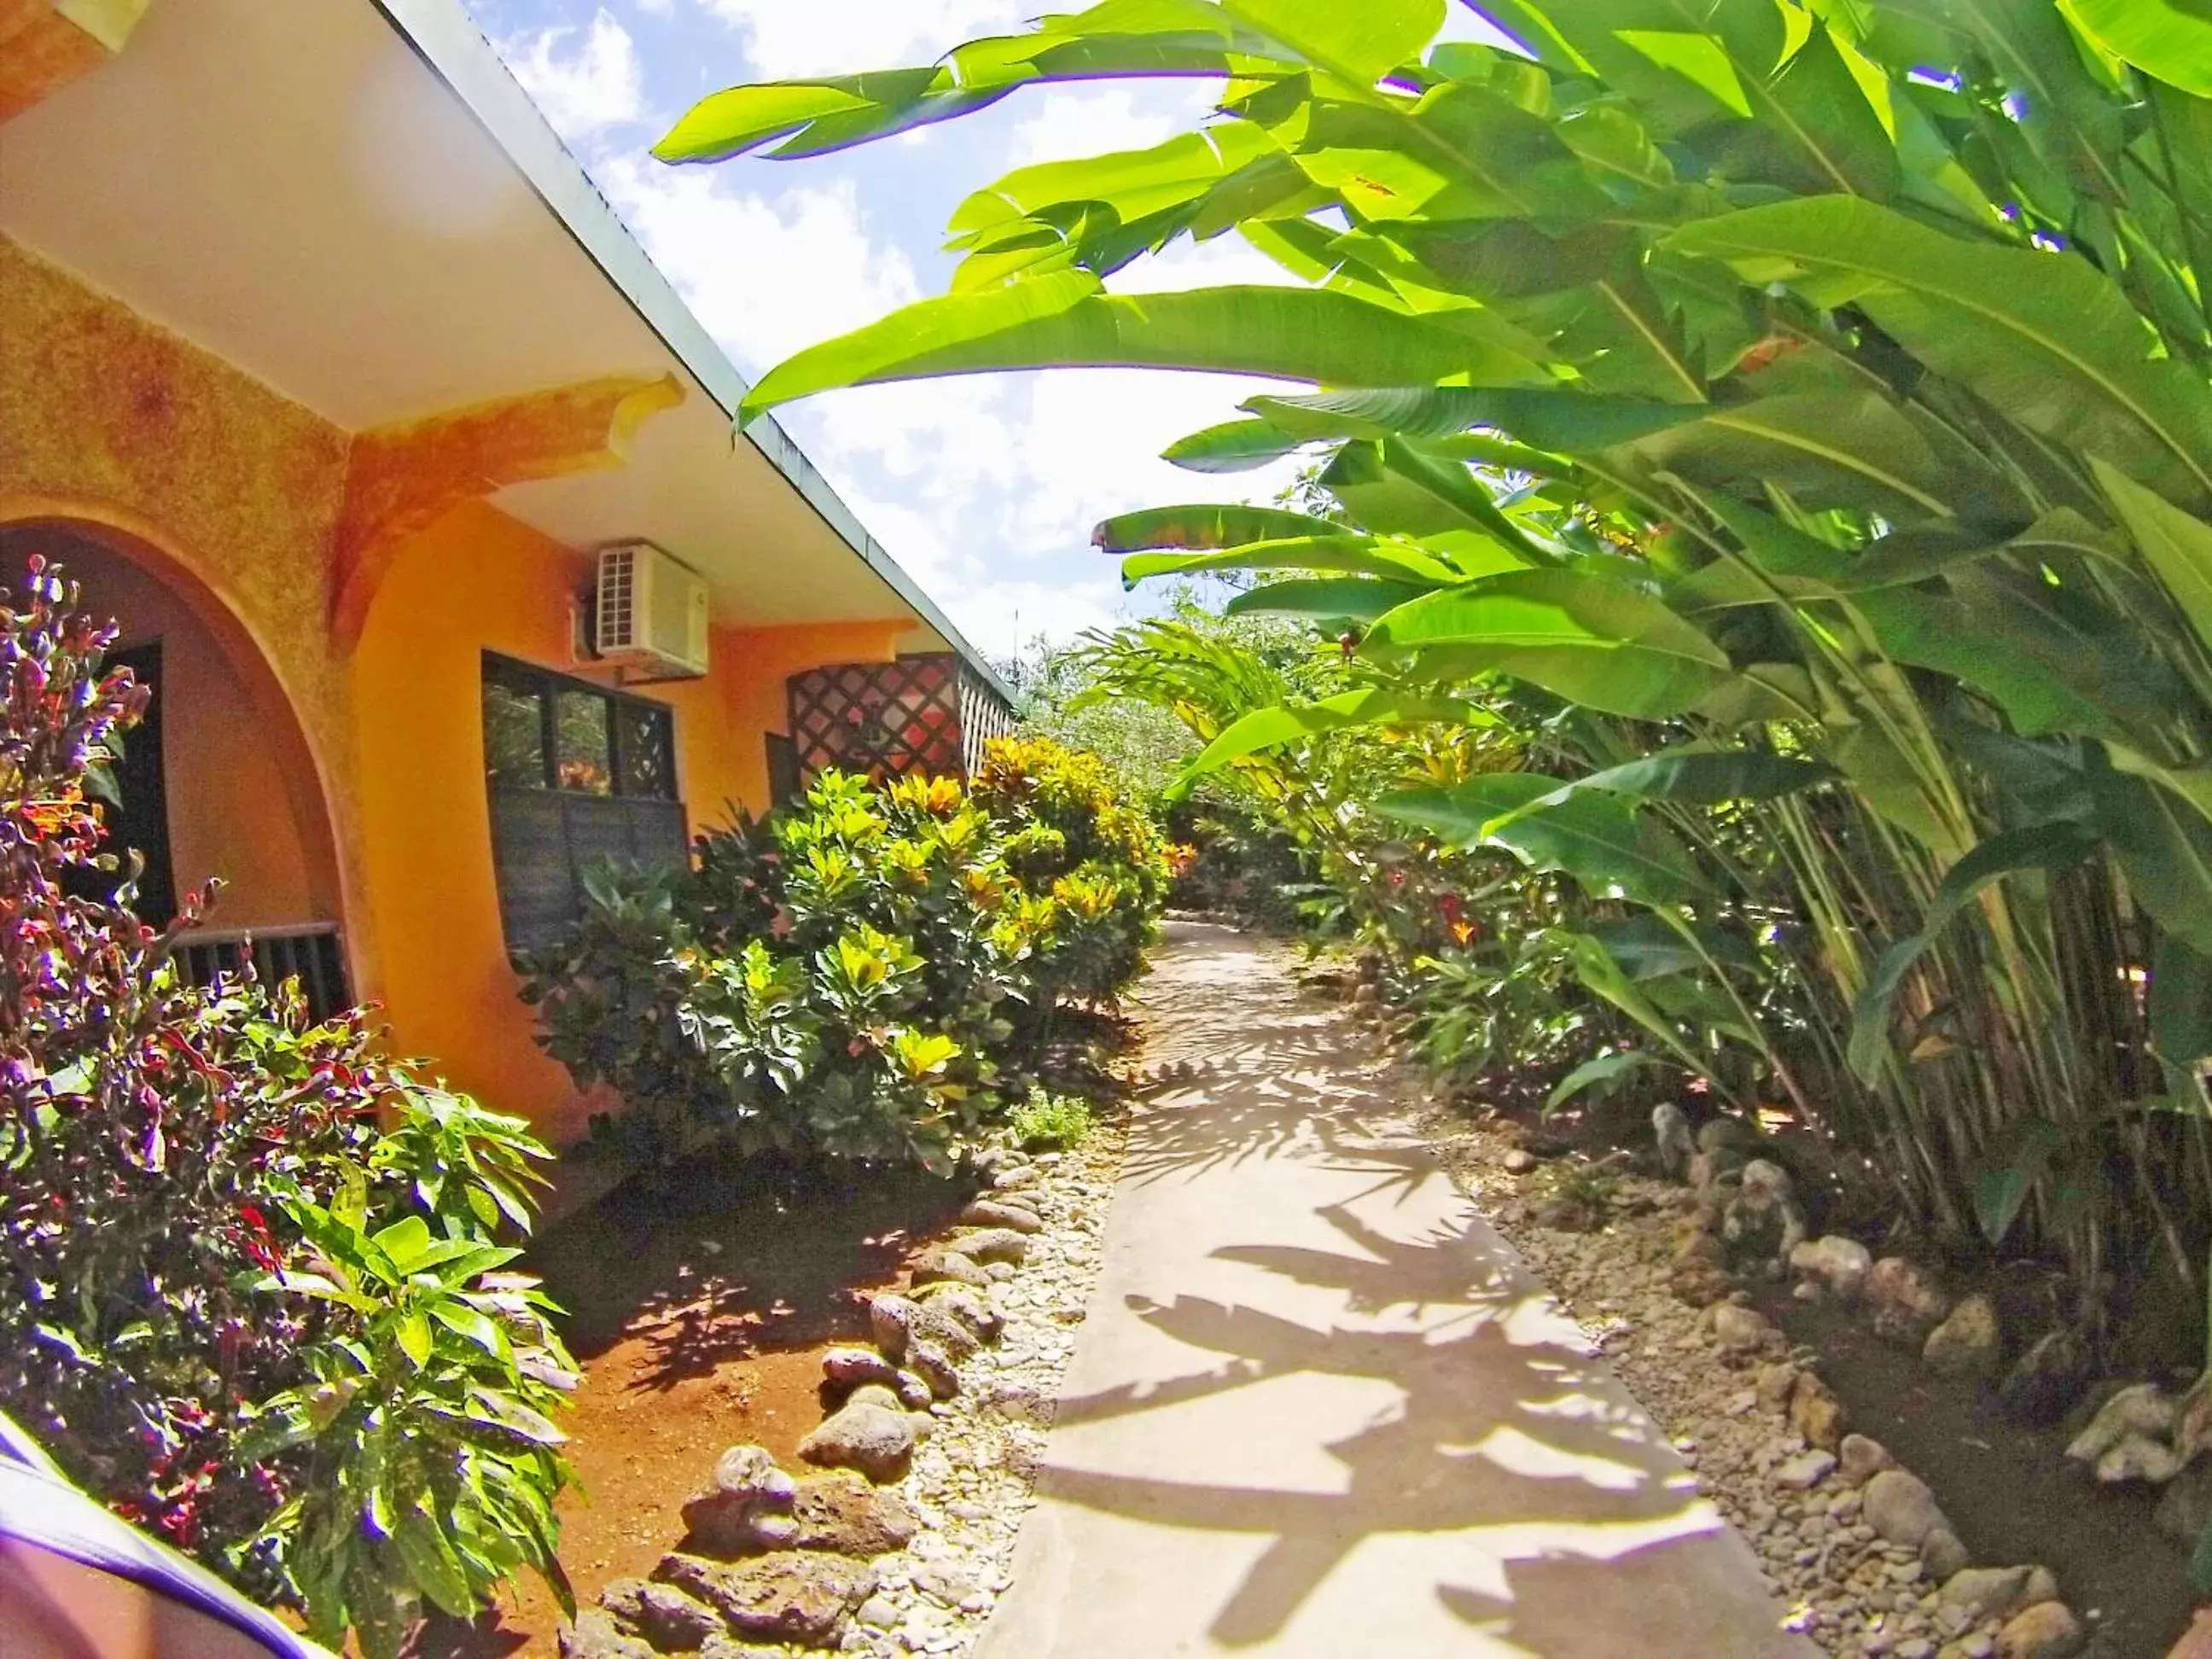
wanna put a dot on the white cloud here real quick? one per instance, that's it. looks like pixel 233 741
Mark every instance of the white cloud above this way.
pixel 766 276
pixel 984 488
pixel 596 85
pixel 786 39
pixel 1071 122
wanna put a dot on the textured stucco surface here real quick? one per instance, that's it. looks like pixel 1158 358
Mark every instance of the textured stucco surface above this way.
pixel 228 498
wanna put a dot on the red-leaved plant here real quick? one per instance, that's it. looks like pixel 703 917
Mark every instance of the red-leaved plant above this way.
pixel 195 1313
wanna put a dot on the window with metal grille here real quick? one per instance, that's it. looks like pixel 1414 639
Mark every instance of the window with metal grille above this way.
pixel 578 775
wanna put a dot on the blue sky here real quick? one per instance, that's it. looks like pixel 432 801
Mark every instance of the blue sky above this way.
pixel 985 488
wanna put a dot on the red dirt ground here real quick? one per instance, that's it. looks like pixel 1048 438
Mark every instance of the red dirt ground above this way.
pixel 699 1316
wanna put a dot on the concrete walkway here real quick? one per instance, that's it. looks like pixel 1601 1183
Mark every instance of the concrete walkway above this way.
pixel 1319 1407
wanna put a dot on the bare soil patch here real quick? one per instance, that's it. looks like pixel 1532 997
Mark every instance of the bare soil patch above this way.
pixel 699 1311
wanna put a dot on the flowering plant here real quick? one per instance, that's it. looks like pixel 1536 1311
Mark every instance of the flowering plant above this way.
pixel 165 1147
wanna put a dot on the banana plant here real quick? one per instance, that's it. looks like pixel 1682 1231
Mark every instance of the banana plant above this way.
pixel 1804 406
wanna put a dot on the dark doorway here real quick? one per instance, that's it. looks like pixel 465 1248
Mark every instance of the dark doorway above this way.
pixel 141 822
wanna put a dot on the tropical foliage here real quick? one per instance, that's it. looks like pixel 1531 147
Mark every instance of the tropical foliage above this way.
pixel 251 1291
pixel 1797 411
pixel 871 973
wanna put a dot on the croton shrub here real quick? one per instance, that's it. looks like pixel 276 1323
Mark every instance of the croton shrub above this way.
pixel 870 973
pixel 251 1289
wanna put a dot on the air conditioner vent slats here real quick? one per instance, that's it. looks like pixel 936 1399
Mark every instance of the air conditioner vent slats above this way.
pixel 650 612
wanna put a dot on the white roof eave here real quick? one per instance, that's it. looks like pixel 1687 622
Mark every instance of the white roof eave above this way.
pixel 443 36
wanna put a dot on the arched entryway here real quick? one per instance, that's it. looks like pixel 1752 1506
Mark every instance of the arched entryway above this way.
pixel 220 781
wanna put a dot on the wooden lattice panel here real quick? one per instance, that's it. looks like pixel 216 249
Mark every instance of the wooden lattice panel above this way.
pixel 926 714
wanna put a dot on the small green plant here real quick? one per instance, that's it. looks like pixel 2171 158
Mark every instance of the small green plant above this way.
pixel 430 1464
pixel 1050 1120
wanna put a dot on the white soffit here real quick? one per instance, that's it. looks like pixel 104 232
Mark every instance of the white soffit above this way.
pixel 312 190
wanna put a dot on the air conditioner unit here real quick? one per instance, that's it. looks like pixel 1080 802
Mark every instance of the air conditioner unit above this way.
pixel 650 612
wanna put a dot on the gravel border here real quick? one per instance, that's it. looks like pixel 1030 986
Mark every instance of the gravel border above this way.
pixel 1839 1583
pixel 973 1482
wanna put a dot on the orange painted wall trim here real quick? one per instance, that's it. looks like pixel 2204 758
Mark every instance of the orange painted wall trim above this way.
pixel 477 580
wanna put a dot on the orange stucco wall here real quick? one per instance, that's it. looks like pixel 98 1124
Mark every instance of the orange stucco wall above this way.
pixel 218 503
pixel 474 581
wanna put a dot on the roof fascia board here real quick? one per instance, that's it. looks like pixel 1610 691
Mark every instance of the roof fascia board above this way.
pixel 443 36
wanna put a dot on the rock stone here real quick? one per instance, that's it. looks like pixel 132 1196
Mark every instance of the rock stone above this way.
pixel 1002 1213
pixel 1700 1284
pixel 971 1310
pixel 2046 1631
pixel 846 1515
pixel 1671 1127
pixel 913 1392
pixel 1775 1384
pixel 595 1635
pixel 865 1437
pixel 2142 1412
pixel 663 1615
pixel 894 1321
pixel 1907 1301
pixel 940 1262
pixel 2139 1457
pixel 1987 1592
pixel 934 1367
pixel 879 1613
pixel 1969 1343
pixel 1900 1507
pixel 990 1244
pixel 740 1512
pixel 1837 1264
pixel 1816 1414
pixel 1805 1471
pixel 848 1368
pixel 1519 1161
pixel 880 1394
pixel 1761 1226
pixel 800 1596
pixel 1740 1330
pixel 1942 1556
pixel 1862 1459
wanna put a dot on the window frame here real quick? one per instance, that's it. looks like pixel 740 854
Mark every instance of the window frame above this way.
pixel 546 684
pixel 545 837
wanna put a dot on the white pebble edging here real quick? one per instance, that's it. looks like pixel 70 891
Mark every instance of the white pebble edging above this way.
pixel 1842 1585
pixel 972 1481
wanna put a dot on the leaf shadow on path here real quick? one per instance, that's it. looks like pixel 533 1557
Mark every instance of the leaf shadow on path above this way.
pixel 1545 1513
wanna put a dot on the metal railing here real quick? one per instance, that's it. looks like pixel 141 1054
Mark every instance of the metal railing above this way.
pixel 312 952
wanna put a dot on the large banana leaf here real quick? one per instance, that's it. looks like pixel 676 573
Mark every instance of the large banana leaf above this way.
pixel 1596 641
pixel 1067 319
pixel 1270 729
pixel 1702 777
pixel 1330 600
pixel 1362 555
pixel 1207 524
pixel 2050 341
pixel 1604 844
pixel 2169 39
